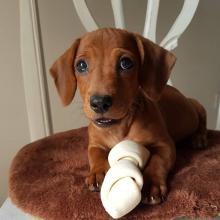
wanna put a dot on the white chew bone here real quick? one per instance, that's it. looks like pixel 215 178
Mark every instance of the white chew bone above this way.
pixel 121 188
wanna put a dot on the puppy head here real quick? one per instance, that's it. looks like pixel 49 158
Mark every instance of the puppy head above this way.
pixel 110 66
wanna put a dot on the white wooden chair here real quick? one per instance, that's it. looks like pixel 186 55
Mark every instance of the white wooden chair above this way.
pixel 39 118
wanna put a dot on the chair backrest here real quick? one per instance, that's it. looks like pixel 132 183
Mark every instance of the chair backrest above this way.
pixel 169 42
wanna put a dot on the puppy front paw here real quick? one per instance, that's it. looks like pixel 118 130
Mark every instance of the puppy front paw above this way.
pixel 154 192
pixel 95 178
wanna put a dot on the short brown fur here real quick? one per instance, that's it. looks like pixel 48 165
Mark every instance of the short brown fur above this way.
pixel 146 109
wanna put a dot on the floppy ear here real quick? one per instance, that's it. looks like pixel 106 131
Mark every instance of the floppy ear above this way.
pixel 156 66
pixel 63 74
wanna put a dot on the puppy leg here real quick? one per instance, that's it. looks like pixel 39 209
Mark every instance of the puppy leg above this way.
pixel 155 174
pixel 98 161
pixel 199 138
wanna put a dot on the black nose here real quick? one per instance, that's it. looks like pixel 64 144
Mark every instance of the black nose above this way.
pixel 100 104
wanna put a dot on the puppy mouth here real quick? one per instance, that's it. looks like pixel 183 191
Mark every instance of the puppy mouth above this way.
pixel 105 122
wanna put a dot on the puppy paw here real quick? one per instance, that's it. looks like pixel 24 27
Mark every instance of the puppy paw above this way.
pixel 156 196
pixel 94 180
pixel 154 193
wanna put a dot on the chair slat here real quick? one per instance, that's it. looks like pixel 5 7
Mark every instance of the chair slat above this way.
pixel 170 41
pixel 85 16
pixel 151 19
pixel 118 13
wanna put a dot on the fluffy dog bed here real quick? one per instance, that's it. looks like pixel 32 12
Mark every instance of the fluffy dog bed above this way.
pixel 47 181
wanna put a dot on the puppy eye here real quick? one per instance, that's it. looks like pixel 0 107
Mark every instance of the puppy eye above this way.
pixel 81 66
pixel 125 63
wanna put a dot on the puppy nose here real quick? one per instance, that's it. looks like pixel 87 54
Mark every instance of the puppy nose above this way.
pixel 100 104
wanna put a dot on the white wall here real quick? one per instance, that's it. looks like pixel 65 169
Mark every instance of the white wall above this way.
pixel 13 119
pixel 196 73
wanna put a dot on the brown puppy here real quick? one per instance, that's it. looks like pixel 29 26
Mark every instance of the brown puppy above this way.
pixel 122 80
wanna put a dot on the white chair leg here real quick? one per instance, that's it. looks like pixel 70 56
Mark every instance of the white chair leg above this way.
pixel 33 71
pixel 218 118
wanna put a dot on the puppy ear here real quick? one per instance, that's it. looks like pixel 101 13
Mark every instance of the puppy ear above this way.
pixel 63 74
pixel 156 66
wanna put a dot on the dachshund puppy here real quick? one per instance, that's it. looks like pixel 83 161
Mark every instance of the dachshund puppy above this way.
pixel 122 80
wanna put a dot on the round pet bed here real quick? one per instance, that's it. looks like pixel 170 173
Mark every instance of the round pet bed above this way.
pixel 47 180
